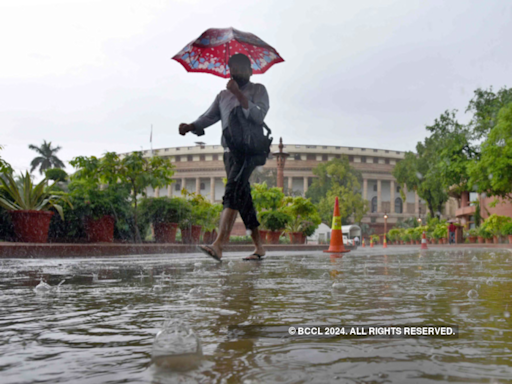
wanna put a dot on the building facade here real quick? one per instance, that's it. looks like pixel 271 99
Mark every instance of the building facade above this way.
pixel 200 169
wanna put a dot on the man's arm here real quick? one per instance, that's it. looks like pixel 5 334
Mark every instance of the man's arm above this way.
pixel 210 117
pixel 256 109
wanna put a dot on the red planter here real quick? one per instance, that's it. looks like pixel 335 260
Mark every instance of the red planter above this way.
pixel 296 237
pixel 273 237
pixel 481 240
pixel 31 226
pixel 100 230
pixel 263 236
pixel 510 239
pixel 209 237
pixel 472 239
pixel 496 239
pixel 165 232
pixel 488 241
pixel 191 235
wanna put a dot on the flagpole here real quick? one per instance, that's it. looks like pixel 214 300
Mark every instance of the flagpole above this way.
pixel 151 140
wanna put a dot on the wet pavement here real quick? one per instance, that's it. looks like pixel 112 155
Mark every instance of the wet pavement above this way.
pixel 100 324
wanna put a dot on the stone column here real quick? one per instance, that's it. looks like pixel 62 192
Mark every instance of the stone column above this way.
pixel 183 183
pixel 392 196
pixel 198 185
pixel 365 189
pixel 290 184
pixel 169 190
pixel 157 192
pixel 305 185
pixel 379 196
pixel 212 189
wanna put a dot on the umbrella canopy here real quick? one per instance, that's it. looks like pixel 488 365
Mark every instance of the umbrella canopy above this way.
pixel 211 51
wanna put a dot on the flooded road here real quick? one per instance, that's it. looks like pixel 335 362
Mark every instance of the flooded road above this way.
pixel 99 325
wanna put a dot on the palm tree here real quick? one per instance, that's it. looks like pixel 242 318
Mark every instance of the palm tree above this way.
pixel 47 158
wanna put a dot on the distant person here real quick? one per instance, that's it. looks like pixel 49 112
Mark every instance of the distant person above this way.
pixel 356 240
pixel 451 231
pixel 237 196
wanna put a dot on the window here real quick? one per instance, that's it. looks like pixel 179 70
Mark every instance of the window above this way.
pixel 310 146
pixel 363 149
pixel 338 156
pixel 311 156
pixel 386 161
pixel 350 149
pixel 166 149
pixel 351 158
pixel 324 147
pixel 202 186
pixel 190 158
pixel 363 159
pixel 374 187
pixel 398 189
pixel 386 151
pixel 398 205
pixel 177 149
pixel 201 158
pixel 338 147
pixel 373 219
pixel 397 152
pixel 375 150
pixel 374 204
pixel 296 156
pixel 375 160
pixel 215 157
pixel 177 159
pixel 177 187
pixel 324 157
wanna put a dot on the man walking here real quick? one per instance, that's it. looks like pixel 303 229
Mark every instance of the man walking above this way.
pixel 253 99
pixel 451 231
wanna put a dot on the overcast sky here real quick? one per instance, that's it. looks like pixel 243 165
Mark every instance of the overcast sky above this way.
pixel 92 76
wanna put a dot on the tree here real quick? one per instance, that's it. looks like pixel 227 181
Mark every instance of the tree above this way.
pixel 492 174
pixel 423 172
pixel 336 178
pixel 133 170
pixel 47 158
pixel 486 106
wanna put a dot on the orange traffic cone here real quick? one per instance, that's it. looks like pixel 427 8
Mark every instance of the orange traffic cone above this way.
pixel 336 245
pixel 384 244
pixel 363 243
pixel 371 242
pixel 424 241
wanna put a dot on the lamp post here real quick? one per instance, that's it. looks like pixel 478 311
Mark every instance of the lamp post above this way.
pixel 385 228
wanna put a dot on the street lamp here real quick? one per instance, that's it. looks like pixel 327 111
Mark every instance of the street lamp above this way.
pixel 385 224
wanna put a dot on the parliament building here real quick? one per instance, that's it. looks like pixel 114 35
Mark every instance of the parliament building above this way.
pixel 200 168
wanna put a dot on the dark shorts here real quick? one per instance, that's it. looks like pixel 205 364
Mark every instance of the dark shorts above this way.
pixel 237 194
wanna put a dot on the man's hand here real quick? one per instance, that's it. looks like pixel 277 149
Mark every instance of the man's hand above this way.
pixel 185 128
pixel 233 87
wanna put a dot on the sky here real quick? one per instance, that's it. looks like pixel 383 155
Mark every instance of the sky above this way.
pixel 93 76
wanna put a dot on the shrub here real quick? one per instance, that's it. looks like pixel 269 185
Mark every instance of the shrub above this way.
pixel 56 174
pixel 494 224
pixel 164 210
pixel 506 230
pixel 275 220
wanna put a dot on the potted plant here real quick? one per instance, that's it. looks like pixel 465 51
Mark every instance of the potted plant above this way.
pixel 375 239
pixel 472 235
pixel 484 234
pixel 494 225
pixel 506 230
pixel 303 213
pixel 211 223
pixel 191 226
pixel 164 214
pixel 265 199
pixel 29 205
pixel 276 222
pixel 405 238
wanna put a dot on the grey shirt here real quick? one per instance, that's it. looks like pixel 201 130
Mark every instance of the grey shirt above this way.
pixel 225 101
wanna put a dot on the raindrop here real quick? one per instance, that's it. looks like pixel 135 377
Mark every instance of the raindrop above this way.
pixel 489 281
pixel 176 347
pixel 506 314
pixel 430 296
pixel 474 258
pixel 226 312
pixel 195 291
pixel 455 310
pixel 42 287
pixel 472 294
pixel 197 264
pixel 338 286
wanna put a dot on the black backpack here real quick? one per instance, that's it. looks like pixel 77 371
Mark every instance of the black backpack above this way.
pixel 246 138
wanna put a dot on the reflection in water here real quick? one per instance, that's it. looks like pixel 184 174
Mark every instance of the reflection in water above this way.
pixel 101 324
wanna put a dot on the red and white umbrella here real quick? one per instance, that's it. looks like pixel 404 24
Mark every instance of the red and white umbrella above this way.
pixel 210 52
